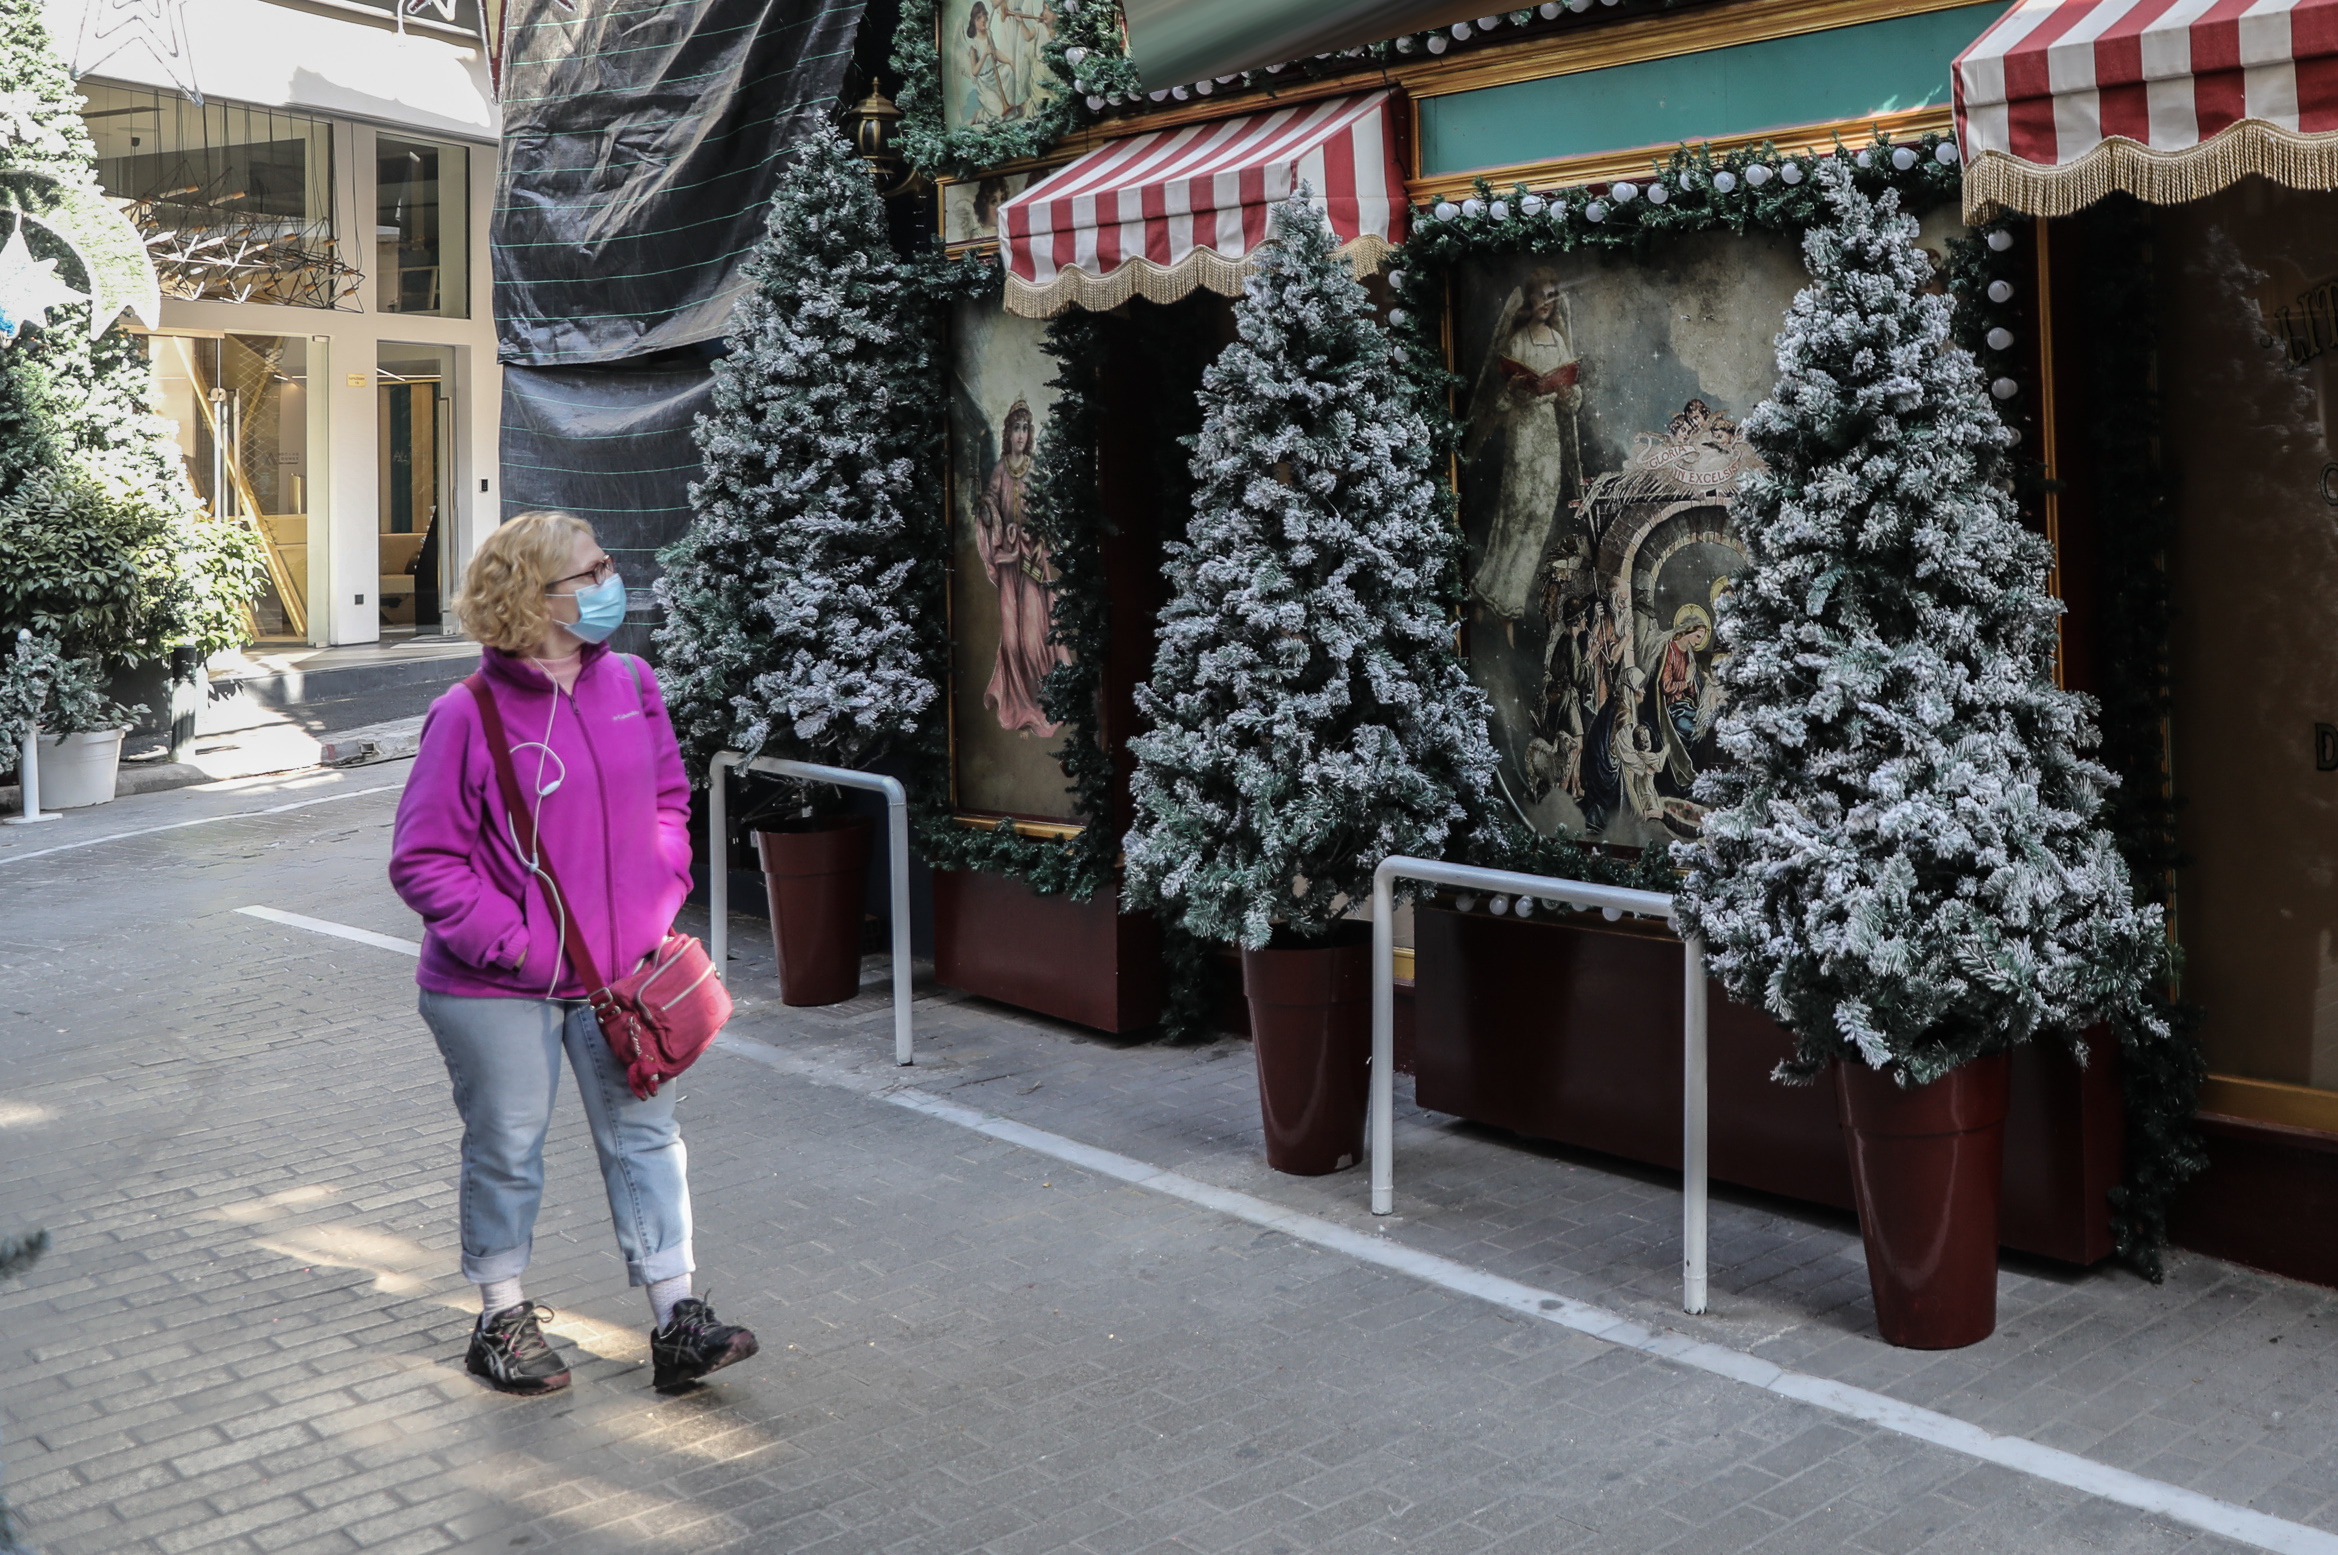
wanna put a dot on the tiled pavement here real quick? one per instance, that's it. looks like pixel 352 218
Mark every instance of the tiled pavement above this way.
pixel 249 1335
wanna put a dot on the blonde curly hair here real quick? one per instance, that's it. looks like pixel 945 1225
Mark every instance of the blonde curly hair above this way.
pixel 502 601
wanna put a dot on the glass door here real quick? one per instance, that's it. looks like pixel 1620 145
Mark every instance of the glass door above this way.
pixel 241 407
pixel 416 426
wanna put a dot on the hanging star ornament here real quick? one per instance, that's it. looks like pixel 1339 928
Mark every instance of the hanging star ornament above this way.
pixel 29 288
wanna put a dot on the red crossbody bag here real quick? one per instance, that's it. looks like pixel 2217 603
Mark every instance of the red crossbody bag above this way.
pixel 665 1013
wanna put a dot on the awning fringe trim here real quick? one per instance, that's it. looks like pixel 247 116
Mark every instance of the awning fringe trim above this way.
pixel 1202 267
pixel 1997 182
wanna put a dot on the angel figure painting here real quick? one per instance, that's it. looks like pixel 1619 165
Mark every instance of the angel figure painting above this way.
pixel 1016 561
pixel 1002 578
pixel 1523 413
pixel 993 67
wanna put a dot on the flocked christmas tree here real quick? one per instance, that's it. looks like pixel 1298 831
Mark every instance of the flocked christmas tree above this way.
pixel 1905 863
pixel 1310 714
pixel 802 606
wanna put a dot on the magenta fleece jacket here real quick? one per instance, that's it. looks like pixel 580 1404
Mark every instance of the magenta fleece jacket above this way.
pixel 616 828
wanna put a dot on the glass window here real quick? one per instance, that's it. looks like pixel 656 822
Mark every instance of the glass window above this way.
pixel 421 237
pixel 236 203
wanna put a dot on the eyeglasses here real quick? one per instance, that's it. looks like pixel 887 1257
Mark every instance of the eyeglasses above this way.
pixel 599 572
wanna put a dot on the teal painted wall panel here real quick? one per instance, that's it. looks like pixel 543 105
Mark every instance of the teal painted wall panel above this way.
pixel 1843 73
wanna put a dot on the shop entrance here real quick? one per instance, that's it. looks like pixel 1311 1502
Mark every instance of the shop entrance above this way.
pixel 416 425
pixel 243 413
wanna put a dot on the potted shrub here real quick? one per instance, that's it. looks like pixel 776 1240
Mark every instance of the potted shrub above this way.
pixel 77 727
pixel 1310 716
pixel 1905 863
pixel 77 560
pixel 800 619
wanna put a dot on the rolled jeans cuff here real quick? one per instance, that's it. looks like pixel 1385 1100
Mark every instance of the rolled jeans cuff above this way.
pixel 664 1265
pixel 489 1267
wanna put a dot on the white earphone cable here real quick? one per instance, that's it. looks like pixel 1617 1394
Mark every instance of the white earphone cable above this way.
pixel 534 864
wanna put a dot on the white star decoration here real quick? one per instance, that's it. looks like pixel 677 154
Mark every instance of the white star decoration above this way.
pixel 29 288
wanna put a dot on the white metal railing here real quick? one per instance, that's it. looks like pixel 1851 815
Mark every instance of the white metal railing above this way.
pixel 1615 902
pixel 28 780
pixel 718 864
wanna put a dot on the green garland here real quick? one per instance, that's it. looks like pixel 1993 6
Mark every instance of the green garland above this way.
pixel 2163 1066
pixel 1083 51
pixel 2136 520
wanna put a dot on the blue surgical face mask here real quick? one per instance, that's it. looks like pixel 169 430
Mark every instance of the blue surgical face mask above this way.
pixel 600 610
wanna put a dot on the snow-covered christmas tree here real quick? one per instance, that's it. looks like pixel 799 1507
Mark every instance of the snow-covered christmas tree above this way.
pixel 1310 714
pixel 801 607
pixel 1904 863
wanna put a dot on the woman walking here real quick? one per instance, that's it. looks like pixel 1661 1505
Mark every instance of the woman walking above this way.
pixel 599 769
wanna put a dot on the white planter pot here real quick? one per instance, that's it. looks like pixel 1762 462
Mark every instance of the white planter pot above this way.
pixel 79 769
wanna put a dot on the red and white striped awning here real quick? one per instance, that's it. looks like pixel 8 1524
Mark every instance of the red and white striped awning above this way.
pixel 1157 215
pixel 2064 101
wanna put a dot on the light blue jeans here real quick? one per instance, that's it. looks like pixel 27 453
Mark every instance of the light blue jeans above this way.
pixel 504 1058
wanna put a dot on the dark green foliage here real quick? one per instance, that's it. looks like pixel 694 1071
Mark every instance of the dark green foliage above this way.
pixel 2137 523
pixel 78 563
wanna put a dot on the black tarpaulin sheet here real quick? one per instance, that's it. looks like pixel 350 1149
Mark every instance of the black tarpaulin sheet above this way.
pixel 641 143
pixel 613 446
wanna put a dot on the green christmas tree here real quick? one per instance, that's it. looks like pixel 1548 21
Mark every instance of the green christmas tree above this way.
pixel 802 608
pixel 1310 714
pixel 1906 862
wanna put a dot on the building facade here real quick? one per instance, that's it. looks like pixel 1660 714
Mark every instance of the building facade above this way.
pixel 315 182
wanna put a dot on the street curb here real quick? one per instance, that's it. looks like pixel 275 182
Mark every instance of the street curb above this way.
pixel 363 747
pixel 394 741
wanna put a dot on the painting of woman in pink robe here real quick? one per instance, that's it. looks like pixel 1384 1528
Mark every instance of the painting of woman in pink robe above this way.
pixel 1018 565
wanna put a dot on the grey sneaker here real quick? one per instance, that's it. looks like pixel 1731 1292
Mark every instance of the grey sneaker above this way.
pixel 510 1353
pixel 693 1343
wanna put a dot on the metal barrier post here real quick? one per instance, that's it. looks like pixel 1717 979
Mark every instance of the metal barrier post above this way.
pixel 1380 1115
pixel 1615 902
pixel 28 778
pixel 718 869
pixel 1693 1139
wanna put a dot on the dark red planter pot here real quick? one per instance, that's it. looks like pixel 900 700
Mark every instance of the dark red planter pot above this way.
pixel 1311 1030
pixel 1927 1170
pixel 817 879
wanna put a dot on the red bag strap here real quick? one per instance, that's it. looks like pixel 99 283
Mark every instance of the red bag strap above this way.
pixel 523 820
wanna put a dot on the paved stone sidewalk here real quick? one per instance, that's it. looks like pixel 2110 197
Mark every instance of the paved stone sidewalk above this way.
pixel 249 1335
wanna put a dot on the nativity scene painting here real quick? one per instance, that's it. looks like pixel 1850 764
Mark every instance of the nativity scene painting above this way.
pixel 1601 456
pixel 1002 576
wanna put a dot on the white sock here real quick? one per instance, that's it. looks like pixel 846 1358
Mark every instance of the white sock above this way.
pixel 499 1295
pixel 663 1294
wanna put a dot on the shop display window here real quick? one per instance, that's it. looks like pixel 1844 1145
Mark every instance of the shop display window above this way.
pixel 236 203
pixel 2249 370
